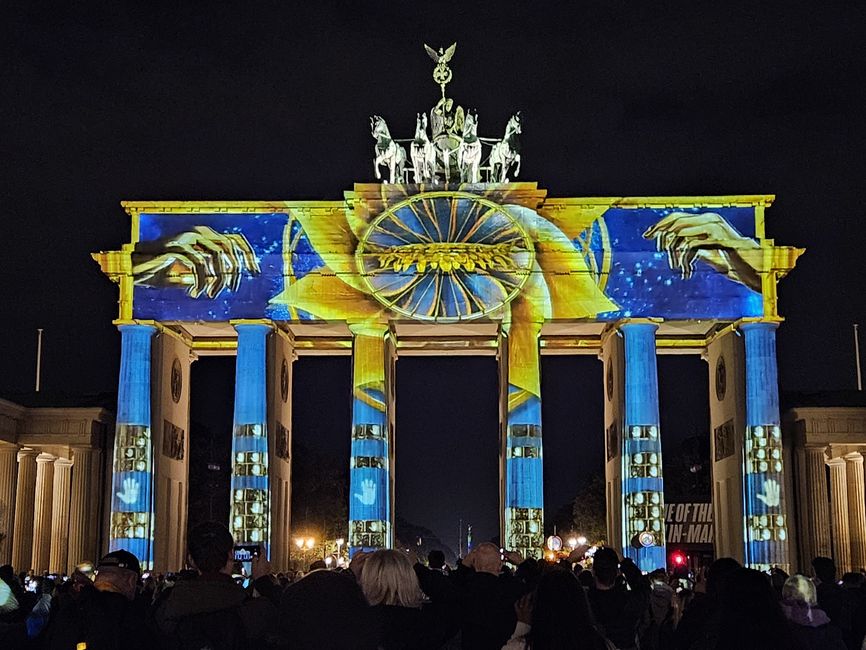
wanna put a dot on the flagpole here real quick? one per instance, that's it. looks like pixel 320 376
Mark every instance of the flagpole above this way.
pixel 39 358
pixel 857 356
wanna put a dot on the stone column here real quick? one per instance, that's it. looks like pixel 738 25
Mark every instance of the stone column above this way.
pixel 856 509
pixel 25 495
pixel 817 515
pixel 370 471
pixel 80 512
pixel 642 483
pixel 131 524
pixel 8 461
pixel 42 512
pixel 839 514
pixel 60 516
pixel 766 526
pixel 521 454
pixel 250 505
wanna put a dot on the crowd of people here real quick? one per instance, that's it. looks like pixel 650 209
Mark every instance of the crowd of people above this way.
pixel 391 601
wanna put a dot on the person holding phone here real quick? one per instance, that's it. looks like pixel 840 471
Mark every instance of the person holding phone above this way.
pixel 211 609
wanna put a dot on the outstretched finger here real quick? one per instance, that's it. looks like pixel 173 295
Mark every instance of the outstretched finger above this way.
pixel 242 245
pixel 198 263
pixel 664 223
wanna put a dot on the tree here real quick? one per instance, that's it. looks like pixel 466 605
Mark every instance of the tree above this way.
pixel 589 510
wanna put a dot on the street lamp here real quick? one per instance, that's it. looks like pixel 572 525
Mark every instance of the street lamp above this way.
pixel 572 543
pixel 581 540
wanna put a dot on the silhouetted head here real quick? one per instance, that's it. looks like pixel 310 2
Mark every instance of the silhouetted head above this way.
pixel 605 566
pixel 436 559
pixel 561 617
pixel 718 572
pixel 327 610
pixel 750 615
pixel 210 547
pixel 824 569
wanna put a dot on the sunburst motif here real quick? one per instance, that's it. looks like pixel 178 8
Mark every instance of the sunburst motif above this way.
pixel 445 256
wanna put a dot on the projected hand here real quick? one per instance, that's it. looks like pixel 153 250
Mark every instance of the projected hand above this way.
pixel 687 237
pixel 130 491
pixel 368 493
pixel 204 260
pixel 773 496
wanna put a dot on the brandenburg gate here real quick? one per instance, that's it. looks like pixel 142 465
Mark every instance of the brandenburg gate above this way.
pixel 448 255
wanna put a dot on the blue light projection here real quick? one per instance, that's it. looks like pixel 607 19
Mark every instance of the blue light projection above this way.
pixel 642 484
pixel 369 470
pixel 250 511
pixel 132 476
pixel 766 530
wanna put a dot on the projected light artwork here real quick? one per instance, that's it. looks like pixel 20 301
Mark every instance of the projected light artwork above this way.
pixel 460 259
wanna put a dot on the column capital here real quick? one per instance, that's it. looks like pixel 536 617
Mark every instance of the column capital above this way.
pixel 62 462
pixel 747 324
pixel 369 329
pixel 836 461
pixel 140 325
pixel 854 457
pixel 45 457
pixel 26 453
pixel 8 447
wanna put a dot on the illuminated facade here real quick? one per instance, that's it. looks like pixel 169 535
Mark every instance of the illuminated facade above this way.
pixel 461 261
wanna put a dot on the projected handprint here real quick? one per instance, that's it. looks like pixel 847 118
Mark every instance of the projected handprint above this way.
pixel 130 491
pixel 368 493
pixel 772 496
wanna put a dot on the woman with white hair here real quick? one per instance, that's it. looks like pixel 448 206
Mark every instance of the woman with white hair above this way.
pixel 811 625
pixel 405 619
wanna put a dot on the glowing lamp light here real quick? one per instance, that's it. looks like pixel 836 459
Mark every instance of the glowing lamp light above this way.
pixel 581 540
pixel 554 543
pixel 328 561
pixel 299 542
pixel 572 542
pixel 678 558
pixel 310 543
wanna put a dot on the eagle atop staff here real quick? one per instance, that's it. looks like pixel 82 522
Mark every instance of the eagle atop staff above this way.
pixel 441 73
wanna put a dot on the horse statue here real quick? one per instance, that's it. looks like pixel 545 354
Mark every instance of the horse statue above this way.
pixel 387 151
pixel 469 150
pixel 506 152
pixel 423 152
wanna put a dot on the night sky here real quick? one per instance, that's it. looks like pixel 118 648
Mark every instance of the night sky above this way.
pixel 102 103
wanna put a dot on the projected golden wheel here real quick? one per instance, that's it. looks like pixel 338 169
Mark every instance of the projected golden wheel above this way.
pixel 445 257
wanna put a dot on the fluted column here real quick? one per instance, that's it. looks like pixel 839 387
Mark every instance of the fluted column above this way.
pixel 250 518
pixel 766 510
pixel 817 514
pixel 521 457
pixel 371 508
pixel 856 509
pixel 839 514
pixel 79 508
pixel 642 483
pixel 8 461
pixel 25 495
pixel 131 527
pixel 42 512
pixel 60 515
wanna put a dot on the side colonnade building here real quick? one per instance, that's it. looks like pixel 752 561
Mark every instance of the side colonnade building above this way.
pixel 54 479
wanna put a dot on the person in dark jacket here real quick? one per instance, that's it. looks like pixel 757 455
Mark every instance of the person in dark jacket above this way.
pixel 326 610
pixel 704 607
pixel 811 625
pixel 403 620
pixel 555 616
pixel 837 602
pixel 618 610
pixel 749 616
pixel 109 615
pixel 487 597
pixel 211 610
